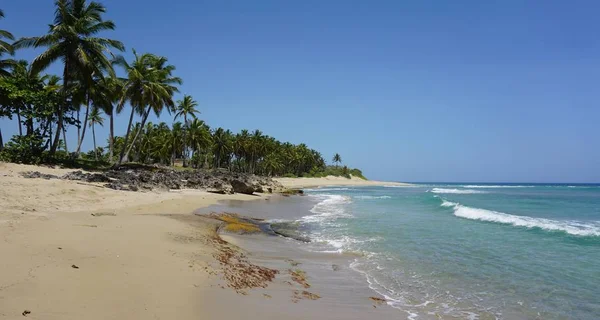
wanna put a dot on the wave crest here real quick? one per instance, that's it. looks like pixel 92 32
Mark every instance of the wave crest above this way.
pixel 576 228
pixel 455 191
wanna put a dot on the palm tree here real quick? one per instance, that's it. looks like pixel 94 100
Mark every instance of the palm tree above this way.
pixel 186 107
pixel 337 159
pixel 5 47
pixel 71 39
pixel 221 146
pixel 95 118
pixel 149 86
pixel 107 95
pixel 200 139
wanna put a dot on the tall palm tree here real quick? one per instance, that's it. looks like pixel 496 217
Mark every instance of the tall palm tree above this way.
pixel 71 38
pixel 199 138
pixel 186 107
pixel 150 86
pixel 95 118
pixel 106 97
pixel 337 159
pixel 5 48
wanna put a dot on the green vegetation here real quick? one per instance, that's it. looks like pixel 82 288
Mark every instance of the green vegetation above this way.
pixel 89 94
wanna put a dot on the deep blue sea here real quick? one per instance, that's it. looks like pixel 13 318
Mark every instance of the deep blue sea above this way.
pixel 469 251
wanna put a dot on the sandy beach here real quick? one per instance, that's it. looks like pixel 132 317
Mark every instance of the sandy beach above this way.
pixel 335 181
pixel 75 250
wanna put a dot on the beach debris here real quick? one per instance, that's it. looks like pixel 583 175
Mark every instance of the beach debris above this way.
pixel 100 214
pixel 268 296
pixel 299 277
pixel 25 313
pixel 74 266
pixel 59 248
pixel 300 295
pixel 292 262
pixel 335 267
pixel 238 272
pixel 378 300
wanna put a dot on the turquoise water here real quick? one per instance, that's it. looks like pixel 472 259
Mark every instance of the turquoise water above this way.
pixel 469 251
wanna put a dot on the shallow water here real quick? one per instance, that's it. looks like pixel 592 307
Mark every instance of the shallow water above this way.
pixel 470 251
pixel 454 251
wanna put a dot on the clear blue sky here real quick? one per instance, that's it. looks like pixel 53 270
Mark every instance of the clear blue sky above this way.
pixel 405 90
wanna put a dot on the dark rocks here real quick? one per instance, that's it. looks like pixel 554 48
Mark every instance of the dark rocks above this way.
pixel 37 175
pixel 241 187
pixel 88 177
pixel 136 178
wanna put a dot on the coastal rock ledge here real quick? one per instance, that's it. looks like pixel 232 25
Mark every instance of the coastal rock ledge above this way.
pixel 146 178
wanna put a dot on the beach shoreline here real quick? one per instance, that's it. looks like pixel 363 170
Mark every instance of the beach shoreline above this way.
pixel 330 181
pixel 77 250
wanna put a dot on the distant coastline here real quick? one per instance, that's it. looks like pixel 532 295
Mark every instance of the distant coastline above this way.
pixel 335 181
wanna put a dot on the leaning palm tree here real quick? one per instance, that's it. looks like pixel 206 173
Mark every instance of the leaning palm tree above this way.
pixel 5 48
pixel 337 159
pixel 95 118
pixel 186 107
pixel 150 86
pixel 71 38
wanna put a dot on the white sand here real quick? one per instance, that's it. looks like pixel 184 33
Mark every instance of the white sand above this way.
pixel 135 264
pixel 334 181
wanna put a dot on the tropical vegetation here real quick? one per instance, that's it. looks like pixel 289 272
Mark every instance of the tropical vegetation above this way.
pixel 89 94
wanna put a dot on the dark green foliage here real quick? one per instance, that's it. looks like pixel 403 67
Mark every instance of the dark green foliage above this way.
pixel 27 149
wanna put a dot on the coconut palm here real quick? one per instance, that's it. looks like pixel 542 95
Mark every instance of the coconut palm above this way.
pixel 106 97
pixel 222 146
pixel 200 139
pixel 186 107
pixel 150 86
pixel 5 48
pixel 337 159
pixel 95 118
pixel 72 40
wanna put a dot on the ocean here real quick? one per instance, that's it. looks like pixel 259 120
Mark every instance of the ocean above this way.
pixel 467 251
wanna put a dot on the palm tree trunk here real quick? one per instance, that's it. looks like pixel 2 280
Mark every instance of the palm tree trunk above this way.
pixel 137 134
pixel 78 126
pixel 19 121
pixel 87 112
pixel 111 137
pixel 59 126
pixel 50 133
pixel 94 136
pixel 64 133
pixel 185 147
pixel 122 155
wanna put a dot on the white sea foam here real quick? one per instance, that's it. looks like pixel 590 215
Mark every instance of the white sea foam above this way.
pixel 372 197
pixel 576 228
pixel 329 208
pixel 327 189
pixel 494 186
pixel 455 191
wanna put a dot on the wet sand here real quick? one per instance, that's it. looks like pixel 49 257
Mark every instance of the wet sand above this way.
pixel 343 293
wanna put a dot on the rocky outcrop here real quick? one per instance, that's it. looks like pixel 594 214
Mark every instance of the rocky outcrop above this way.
pixel 241 187
pixel 144 178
